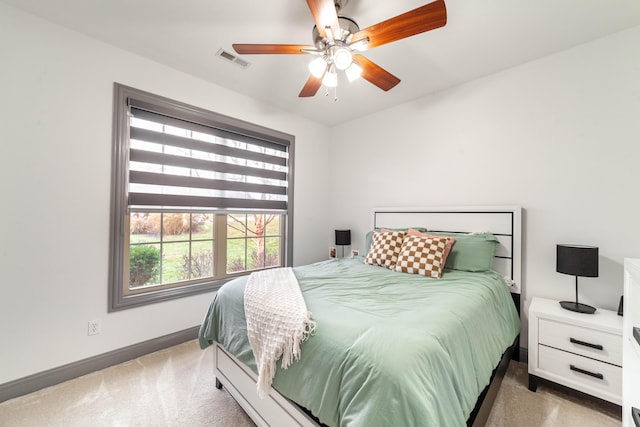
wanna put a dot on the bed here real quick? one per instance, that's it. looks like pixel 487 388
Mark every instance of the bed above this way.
pixel 390 348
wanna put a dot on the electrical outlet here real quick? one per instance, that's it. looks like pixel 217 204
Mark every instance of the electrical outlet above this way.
pixel 93 328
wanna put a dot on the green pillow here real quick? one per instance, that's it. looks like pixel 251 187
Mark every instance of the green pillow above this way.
pixel 471 252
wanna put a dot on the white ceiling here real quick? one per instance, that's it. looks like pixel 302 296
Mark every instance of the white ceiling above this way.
pixel 481 37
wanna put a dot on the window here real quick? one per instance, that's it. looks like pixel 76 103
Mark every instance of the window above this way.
pixel 198 198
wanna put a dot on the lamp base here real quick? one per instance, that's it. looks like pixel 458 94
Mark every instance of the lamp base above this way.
pixel 577 307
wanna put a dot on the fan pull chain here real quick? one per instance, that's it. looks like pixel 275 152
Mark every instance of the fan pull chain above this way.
pixel 335 92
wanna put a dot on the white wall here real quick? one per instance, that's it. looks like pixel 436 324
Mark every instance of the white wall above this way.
pixel 559 136
pixel 55 166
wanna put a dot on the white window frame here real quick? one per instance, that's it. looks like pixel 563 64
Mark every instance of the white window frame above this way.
pixel 119 298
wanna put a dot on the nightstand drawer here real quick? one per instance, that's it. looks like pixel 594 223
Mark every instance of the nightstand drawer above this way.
pixel 584 374
pixel 580 340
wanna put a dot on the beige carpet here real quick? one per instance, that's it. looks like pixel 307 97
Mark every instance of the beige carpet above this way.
pixel 549 406
pixel 175 387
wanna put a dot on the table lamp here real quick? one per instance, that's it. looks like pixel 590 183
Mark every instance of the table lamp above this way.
pixel 343 238
pixel 579 261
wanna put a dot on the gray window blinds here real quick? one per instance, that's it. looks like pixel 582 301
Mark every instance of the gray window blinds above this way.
pixel 185 163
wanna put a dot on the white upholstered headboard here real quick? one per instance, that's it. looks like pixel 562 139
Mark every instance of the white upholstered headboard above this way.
pixel 505 222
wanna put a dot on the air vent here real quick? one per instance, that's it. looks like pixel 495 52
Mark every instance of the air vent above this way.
pixel 227 56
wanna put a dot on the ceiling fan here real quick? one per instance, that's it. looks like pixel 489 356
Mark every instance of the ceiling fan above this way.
pixel 338 41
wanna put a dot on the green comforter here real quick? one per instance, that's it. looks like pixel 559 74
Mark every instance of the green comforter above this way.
pixel 391 349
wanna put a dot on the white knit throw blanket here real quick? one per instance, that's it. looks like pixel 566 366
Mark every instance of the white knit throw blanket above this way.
pixel 277 321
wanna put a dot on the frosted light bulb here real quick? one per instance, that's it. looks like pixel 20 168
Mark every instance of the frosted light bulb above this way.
pixel 317 67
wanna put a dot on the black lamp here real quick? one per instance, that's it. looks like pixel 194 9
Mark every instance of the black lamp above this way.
pixel 577 261
pixel 343 238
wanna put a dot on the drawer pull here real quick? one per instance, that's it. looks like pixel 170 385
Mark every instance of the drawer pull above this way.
pixel 635 416
pixel 586 344
pixel 582 371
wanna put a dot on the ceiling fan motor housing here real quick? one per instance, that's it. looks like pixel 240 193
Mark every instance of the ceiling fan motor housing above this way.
pixel 348 27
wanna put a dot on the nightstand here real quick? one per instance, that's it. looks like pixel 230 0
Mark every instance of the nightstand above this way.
pixel 580 351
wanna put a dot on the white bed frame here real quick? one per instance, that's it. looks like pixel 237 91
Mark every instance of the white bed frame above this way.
pixel 503 221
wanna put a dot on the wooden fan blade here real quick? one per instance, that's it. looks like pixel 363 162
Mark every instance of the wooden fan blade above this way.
pixel 324 14
pixel 416 21
pixel 250 49
pixel 376 74
pixel 311 86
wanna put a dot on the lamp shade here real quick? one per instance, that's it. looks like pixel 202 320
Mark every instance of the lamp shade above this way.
pixel 343 237
pixel 577 260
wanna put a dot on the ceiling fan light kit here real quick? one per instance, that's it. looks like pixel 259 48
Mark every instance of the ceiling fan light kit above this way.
pixel 341 56
pixel 338 39
pixel 330 78
pixel 353 72
pixel 317 67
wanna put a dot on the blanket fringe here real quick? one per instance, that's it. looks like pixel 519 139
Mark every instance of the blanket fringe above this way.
pixel 291 353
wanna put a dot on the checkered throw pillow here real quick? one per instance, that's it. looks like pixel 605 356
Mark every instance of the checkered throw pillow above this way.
pixel 422 255
pixel 385 247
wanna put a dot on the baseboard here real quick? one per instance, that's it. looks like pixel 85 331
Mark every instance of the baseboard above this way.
pixel 524 355
pixel 73 370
